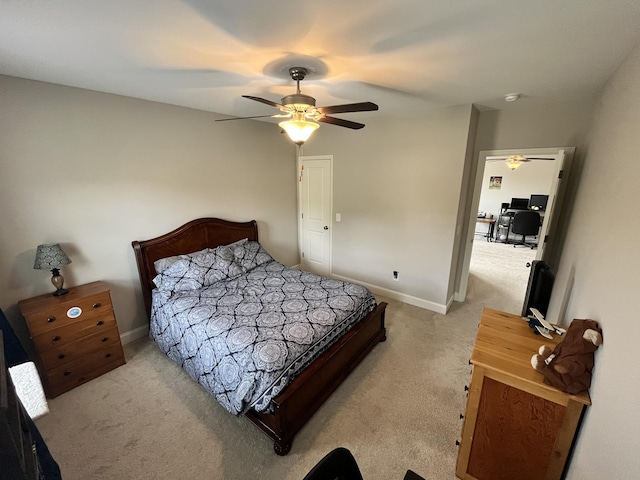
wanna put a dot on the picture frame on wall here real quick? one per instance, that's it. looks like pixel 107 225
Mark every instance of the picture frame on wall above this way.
pixel 495 183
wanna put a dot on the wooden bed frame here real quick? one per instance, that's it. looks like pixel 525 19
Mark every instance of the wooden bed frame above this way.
pixel 295 405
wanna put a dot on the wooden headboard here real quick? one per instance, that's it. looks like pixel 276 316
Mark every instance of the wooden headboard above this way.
pixel 190 237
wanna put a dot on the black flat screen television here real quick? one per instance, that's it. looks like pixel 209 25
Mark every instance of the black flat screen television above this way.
pixel 538 202
pixel 519 204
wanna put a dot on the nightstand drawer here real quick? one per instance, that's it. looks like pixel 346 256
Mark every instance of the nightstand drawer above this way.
pixel 71 351
pixel 74 331
pixel 67 312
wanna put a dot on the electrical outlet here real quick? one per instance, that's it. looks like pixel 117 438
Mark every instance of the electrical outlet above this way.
pixel 396 277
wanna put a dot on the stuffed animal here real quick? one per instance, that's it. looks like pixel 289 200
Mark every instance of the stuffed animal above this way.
pixel 568 367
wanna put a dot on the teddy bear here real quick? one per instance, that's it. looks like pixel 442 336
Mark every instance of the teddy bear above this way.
pixel 568 366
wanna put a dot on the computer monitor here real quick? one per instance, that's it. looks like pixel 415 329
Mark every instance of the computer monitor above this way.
pixel 538 202
pixel 519 203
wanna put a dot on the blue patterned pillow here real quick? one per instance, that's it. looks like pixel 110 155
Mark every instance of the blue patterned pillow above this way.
pixel 250 254
pixel 199 269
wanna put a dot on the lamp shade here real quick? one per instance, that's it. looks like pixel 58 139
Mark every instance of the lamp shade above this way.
pixel 50 256
pixel 299 129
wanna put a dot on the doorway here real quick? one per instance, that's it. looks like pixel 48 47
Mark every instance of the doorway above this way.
pixel 513 274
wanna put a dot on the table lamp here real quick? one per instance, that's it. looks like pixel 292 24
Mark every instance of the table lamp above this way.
pixel 51 257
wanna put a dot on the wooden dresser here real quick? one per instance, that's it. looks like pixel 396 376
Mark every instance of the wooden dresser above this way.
pixel 75 335
pixel 515 425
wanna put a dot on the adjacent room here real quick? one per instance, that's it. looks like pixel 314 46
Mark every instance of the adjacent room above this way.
pixel 240 235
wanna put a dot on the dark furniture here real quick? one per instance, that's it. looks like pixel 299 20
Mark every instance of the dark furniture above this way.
pixel 491 223
pixel 339 464
pixel 526 223
pixel 75 335
pixel 539 288
pixel 515 425
pixel 307 392
pixel 23 452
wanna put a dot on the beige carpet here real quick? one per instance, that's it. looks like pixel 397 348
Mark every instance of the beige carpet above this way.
pixel 499 275
pixel 398 410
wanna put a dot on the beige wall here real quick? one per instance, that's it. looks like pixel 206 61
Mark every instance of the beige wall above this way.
pixel 521 126
pixel 95 171
pixel 599 278
pixel 397 185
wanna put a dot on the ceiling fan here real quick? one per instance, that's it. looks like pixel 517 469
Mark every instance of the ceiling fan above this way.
pixel 303 114
pixel 514 161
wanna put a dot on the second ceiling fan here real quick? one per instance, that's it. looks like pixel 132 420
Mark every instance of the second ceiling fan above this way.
pixel 514 161
pixel 303 114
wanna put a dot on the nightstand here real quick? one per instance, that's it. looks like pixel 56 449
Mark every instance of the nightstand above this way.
pixel 75 336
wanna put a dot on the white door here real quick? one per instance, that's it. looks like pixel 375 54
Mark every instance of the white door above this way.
pixel 315 197
pixel 553 205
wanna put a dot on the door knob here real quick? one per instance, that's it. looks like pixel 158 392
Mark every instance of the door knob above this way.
pixel 326 228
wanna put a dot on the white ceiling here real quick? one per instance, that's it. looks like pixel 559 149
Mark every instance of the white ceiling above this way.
pixel 404 55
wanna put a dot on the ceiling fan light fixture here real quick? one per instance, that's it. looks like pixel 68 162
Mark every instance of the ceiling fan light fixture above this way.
pixel 514 161
pixel 299 128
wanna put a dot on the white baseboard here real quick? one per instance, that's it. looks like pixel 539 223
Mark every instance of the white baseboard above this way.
pixel 402 297
pixel 135 334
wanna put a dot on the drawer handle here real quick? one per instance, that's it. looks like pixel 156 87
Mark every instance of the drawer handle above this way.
pixel 107 355
pixel 99 322
pixel 56 338
pixel 51 319
pixel 61 356
pixel 104 339
pixel 96 305
pixel 67 373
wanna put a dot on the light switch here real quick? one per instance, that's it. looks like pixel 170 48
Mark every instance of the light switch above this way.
pixel 338 217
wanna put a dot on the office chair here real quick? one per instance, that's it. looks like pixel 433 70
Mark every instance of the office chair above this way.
pixel 339 464
pixel 526 223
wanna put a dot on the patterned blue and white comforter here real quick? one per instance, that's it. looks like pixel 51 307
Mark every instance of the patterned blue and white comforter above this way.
pixel 245 338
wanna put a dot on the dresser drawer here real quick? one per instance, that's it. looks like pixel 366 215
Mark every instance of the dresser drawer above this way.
pixel 53 317
pixel 73 331
pixel 70 351
pixel 67 377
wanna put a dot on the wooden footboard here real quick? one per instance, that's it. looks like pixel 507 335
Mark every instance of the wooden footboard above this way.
pixel 306 394
pixel 308 391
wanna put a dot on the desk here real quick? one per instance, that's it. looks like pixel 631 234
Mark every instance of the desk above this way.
pixel 515 426
pixel 492 223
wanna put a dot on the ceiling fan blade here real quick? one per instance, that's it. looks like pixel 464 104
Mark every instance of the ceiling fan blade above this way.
pixel 349 107
pixel 341 123
pixel 264 100
pixel 247 118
